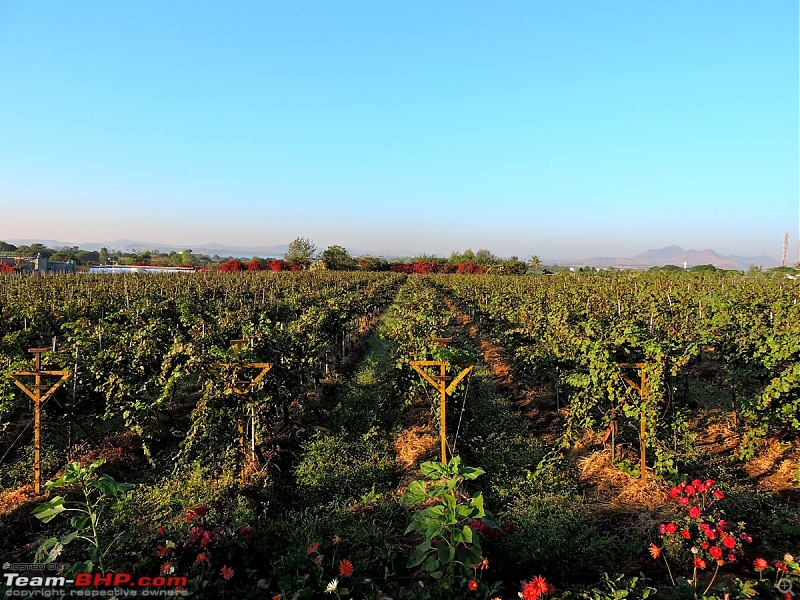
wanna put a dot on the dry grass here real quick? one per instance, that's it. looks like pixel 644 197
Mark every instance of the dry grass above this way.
pixel 714 431
pixel 415 444
pixel 610 490
pixel 776 466
pixel 619 498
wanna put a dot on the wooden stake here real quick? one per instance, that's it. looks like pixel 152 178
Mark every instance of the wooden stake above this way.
pixel 440 384
pixel 34 392
pixel 643 429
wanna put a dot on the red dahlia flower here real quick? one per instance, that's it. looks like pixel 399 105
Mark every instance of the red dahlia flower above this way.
pixel 346 568
pixel 535 588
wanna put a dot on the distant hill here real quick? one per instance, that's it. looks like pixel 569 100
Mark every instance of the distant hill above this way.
pixel 675 255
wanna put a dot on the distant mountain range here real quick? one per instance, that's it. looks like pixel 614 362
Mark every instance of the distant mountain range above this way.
pixel 675 255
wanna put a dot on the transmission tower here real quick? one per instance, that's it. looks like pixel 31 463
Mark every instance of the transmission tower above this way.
pixel 785 249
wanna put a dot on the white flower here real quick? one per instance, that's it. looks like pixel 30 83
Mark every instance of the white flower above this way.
pixel 332 586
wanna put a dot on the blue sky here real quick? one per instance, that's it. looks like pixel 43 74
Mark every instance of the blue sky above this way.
pixel 562 129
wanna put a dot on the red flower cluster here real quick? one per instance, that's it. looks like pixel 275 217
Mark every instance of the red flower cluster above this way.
pixel 6 268
pixel 485 530
pixel 246 532
pixel 198 535
pixel 197 513
pixel 237 266
pixel 233 266
pixel 425 267
pixel 536 588
pixel 685 492
pixel 277 265
pixel 700 526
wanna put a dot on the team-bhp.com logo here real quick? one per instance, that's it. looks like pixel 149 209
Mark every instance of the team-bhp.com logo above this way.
pixel 87 585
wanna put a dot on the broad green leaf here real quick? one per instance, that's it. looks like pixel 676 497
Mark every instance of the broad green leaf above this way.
pixel 437 489
pixel 48 551
pixel 434 512
pixel 469 556
pixel 463 510
pixel 416 558
pixel 489 520
pixel 433 529
pixel 433 470
pixel 449 501
pixel 471 472
pixel 71 536
pixel 463 535
pixel 50 509
pixel 82 567
pixel 414 494
pixel 106 485
pixel 431 564
pixel 446 553
pixel 477 503
pixel 80 522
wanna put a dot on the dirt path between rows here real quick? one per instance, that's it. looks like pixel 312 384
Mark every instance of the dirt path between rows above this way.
pixel 611 492
pixel 536 403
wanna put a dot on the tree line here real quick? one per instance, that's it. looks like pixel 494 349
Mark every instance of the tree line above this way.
pixel 301 254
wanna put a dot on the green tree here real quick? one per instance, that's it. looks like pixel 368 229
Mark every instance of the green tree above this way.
pixel 300 253
pixel 372 263
pixel 4 247
pixel 535 264
pixel 337 258
pixel 484 257
pixel 457 258
pixel 514 266
pixel 67 255
pixel 703 269
pixel 103 255
pixel 35 250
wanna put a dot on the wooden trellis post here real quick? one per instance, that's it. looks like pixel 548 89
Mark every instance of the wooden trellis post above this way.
pixel 40 392
pixel 243 387
pixel 439 382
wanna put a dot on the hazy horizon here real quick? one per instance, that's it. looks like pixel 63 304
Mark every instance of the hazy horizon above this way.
pixel 280 248
pixel 536 128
